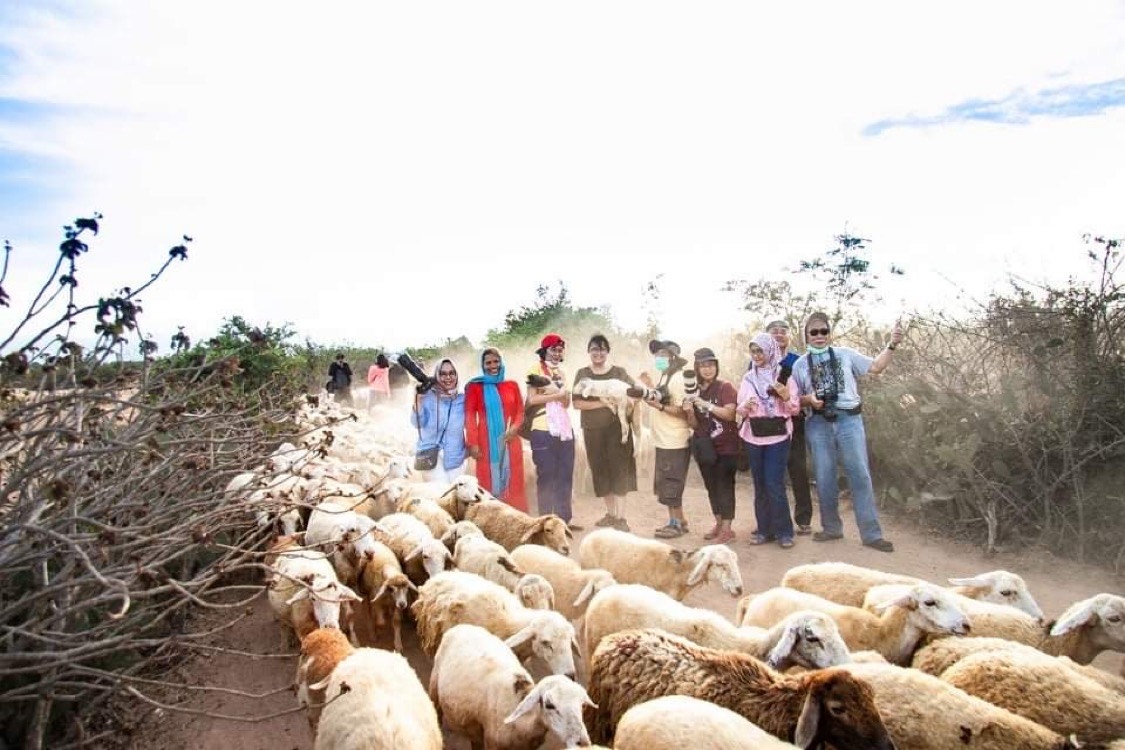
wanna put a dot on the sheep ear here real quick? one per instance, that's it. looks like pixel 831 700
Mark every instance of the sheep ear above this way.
pixel 780 652
pixel 346 594
pixel 536 528
pixel 586 592
pixel 809 720
pixel 975 582
pixel 410 585
pixel 906 600
pixel 569 534
pixel 1076 616
pixel 412 554
pixel 381 593
pixel 322 684
pixel 520 638
pixel 700 571
pixel 506 563
pixel 525 705
pixel 302 594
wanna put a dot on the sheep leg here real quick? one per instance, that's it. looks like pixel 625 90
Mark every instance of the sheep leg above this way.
pixel 396 624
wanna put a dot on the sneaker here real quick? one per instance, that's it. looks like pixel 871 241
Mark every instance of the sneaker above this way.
pixel 714 532
pixel 620 524
pixel 882 545
pixel 606 520
pixel 671 530
pixel 725 536
pixel 803 529
pixel 826 536
pixel 785 542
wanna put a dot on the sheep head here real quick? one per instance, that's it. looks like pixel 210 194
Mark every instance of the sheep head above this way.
pixel 558 701
pixel 840 709
pixel 808 639
pixel 1002 587
pixel 931 609
pixel 1104 617
pixel 716 562
pixel 549 636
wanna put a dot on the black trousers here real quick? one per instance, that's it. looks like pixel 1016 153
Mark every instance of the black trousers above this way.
pixel 718 478
pixel 799 475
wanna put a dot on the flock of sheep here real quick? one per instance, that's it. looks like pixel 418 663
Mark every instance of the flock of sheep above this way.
pixel 531 645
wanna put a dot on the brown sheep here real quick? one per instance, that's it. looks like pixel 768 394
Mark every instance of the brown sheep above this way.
pixel 510 528
pixel 822 706
pixel 321 651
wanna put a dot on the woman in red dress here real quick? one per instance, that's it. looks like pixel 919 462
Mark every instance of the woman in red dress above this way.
pixel 493 413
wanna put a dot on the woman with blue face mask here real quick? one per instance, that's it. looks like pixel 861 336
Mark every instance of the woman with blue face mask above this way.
pixel 671 433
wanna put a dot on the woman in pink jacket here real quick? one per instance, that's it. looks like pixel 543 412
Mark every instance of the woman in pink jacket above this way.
pixel 767 406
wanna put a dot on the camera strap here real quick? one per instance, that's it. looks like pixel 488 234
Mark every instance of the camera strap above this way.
pixel 437 413
pixel 836 384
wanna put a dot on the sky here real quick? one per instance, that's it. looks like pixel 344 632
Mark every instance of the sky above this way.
pixel 399 174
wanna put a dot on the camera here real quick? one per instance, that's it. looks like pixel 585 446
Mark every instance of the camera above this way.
pixel 408 363
pixel 660 393
pixel 828 396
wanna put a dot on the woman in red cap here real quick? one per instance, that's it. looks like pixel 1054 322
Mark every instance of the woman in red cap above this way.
pixel 493 413
pixel 552 437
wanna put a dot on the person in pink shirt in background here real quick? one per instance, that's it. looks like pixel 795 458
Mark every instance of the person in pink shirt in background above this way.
pixel 379 380
pixel 767 407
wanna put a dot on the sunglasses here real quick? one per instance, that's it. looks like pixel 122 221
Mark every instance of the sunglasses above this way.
pixel 818 331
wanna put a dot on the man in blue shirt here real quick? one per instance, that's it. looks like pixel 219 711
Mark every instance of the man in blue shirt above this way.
pixel 834 430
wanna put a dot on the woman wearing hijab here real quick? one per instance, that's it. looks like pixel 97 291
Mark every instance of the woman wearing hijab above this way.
pixel 439 415
pixel 493 413
pixel 767 406
pixel 552 436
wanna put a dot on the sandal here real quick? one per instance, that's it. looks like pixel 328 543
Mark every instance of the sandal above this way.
pixel 606 521
pixel 670 530
pixel 804 529
pixel 726 536
pixel 786 542
pixel 714 532
pixel 757 539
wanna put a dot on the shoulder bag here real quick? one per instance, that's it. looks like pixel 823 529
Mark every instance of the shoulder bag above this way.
pixel 427 458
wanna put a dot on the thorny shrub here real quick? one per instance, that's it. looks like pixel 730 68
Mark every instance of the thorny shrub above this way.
pixel 114 526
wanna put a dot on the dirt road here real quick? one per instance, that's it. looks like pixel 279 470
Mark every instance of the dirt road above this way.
pixel 1054 582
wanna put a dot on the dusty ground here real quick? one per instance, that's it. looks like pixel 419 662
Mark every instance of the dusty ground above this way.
pixel 1056 584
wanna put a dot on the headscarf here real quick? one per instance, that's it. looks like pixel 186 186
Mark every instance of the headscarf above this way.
pixel 499 464
pixel 761 378
pixel 438 388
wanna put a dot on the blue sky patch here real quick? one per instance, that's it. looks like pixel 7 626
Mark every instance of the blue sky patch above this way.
pixel 1019 107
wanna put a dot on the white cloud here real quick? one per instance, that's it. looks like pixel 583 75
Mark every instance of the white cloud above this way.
pixel 401 173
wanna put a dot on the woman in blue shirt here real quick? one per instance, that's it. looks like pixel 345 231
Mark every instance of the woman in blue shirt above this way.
pixel 439 415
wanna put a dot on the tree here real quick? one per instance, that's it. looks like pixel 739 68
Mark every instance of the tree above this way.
pixel 551 311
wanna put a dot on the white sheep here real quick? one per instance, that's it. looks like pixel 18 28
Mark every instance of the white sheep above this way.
pixel 454 597
pixel 483 693
pixel 486 558
pixel 462 493
pixel 421 555
pixel 1041 688
pixel 428 512
pixel 613 392
pixel 1083 631
pixel 502 523
pixel 942 653
pixel 631 559
pixel 924 713
pixel 674 722
pixel 457 530
pixel 573 585
pixel 535 592
pixel 303 591
pixel 375 701
pixel 918 611
pixel 335 527
pixel 808 639
pixel 847 584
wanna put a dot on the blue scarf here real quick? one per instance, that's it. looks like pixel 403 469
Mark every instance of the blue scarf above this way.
pixel 494 418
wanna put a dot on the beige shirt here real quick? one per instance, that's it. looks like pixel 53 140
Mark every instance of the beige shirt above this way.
pixel 670 432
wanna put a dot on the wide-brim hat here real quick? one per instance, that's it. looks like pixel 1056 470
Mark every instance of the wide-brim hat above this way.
pixel 705 355
pixel 656 345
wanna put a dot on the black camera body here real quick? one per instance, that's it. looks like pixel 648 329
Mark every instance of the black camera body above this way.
pixel 829 410
pixel 408 363
pixel 660 393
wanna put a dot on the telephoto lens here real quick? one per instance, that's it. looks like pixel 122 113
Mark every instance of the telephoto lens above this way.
pixel 691 383
pixel 408 363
